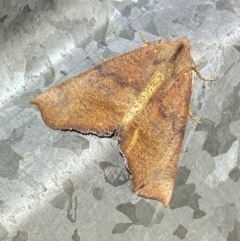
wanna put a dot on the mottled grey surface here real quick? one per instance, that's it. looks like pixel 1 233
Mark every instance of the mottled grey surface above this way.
pixel 180 232
pixel 65 186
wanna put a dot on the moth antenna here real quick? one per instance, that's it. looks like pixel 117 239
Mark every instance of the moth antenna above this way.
pixel 199 74
pixel 148 42
pixel 194 117
pixel 102 59
pixel 194 68
pixel 143 39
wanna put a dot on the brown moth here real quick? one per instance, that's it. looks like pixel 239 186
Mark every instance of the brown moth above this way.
pixel 143 97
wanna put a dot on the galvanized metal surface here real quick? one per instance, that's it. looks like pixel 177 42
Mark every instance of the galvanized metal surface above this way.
pixel 65 186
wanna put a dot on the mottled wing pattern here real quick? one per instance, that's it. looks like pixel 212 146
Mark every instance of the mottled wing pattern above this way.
pixel 123 95
pixel 96 100
pixel 152 142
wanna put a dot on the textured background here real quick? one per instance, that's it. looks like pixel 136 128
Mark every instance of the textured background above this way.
pixel 64 186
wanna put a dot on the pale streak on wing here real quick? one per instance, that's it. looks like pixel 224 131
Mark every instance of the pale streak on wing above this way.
pixel 98 99
pixel 153 159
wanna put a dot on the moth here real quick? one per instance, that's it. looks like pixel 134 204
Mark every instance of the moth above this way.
pixel 143 97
